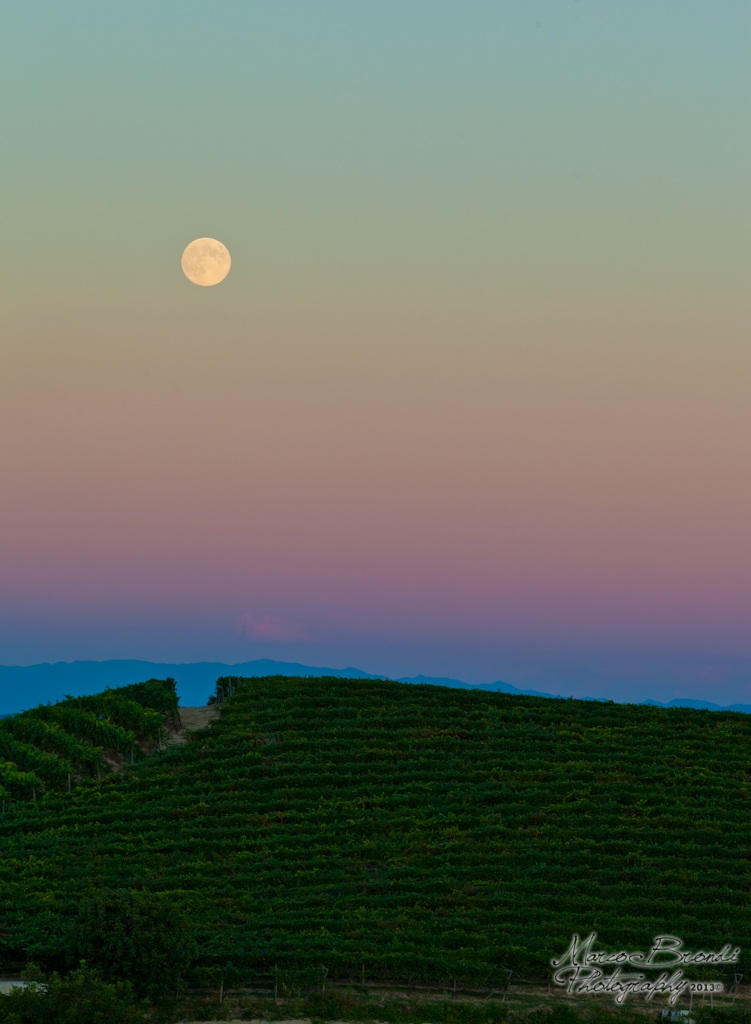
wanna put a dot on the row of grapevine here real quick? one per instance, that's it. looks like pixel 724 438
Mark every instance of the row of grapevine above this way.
pixel 15 783
pixel 52 737
pixel 88 725
pixel 76 739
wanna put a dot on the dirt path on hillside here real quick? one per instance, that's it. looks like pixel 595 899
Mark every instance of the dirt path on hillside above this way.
pixel 192 719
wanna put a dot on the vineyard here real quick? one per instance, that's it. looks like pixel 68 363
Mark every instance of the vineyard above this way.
pixel 57 746
pixel 372 829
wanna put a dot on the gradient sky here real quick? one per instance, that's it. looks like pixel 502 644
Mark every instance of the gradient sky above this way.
pixel 475 397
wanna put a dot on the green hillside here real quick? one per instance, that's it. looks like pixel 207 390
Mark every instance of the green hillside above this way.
pixel 410 832
pixel 58 746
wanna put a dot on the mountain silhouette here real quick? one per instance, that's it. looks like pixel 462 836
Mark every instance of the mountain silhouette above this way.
pixel 25 686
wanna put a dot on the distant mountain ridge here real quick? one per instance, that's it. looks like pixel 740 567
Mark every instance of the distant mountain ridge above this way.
pixel 25 686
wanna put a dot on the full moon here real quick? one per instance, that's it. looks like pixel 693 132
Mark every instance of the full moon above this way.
pixel 205 261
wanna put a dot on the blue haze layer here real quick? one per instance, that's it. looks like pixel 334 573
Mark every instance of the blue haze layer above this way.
pixel 23 687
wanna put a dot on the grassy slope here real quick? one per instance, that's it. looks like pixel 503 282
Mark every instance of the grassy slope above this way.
pixel 423 831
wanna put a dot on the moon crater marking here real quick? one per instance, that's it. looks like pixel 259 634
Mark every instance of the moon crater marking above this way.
pixel 205 261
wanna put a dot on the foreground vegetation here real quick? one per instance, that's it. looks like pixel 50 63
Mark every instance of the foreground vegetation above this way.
pixel 363 830
pixel 83 997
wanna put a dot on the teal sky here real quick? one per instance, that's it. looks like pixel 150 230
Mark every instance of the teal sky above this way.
pixel 323 139
pixel 477 381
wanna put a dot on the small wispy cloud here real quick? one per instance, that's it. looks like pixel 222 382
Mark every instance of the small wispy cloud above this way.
pixel 269 628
